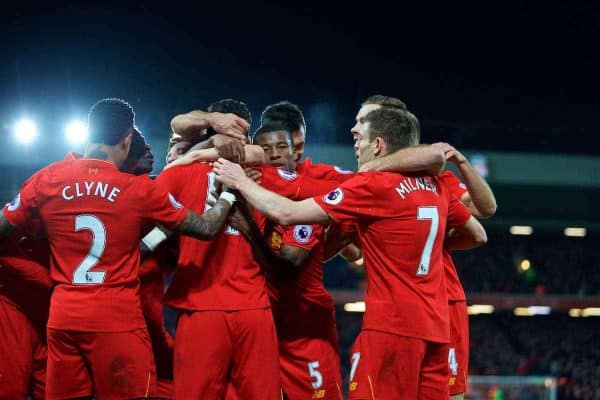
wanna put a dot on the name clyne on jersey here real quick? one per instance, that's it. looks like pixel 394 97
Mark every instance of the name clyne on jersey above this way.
pixel 93 188
pixel 409 185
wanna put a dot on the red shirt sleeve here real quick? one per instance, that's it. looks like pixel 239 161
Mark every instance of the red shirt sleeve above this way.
pixel 348 202
pixel 24 207
pixel 162 206
pixel 303 236
pixel 452 182
pixel 458 214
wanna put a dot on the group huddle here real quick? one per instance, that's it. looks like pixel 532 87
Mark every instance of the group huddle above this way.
pixel 239 223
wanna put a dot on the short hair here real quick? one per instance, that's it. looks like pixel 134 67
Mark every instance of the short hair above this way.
pixel 385 101
pixel 232 106
pixel 271 127
pixel 285 113
pixel 109 120
pixel 138 146
pixel 398 128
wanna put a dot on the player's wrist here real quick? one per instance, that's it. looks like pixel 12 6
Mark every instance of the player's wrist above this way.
pixel 228 197
pixel 154 238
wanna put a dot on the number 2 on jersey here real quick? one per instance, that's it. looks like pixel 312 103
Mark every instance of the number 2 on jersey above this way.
pixel 428 213
pixel 82 274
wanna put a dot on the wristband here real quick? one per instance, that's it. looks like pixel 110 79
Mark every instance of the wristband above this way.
pixel 228 197
pixel 154 238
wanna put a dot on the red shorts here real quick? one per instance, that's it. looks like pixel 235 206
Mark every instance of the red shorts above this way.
pixel 22 355
pixel 309 354
pixel 215 348
pixel 115 365
pixel 458 355
pixel 385 366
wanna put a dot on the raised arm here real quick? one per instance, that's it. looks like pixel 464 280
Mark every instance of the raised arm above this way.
pixel 427 158
pixel 207 225
pixel 193 125
pixel 253 155
pixel 479 199
pixel 277 208
pixel 468 236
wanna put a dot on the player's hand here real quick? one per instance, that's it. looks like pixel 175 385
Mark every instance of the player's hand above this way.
pixel 230 125
pixel 238 220
pixel 229 148
pixel 254 174
pixel 451 154
pixel 228 173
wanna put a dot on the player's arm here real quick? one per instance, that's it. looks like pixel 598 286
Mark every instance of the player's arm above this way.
pixel 252 155
pixel 193 125
pixel 469 236
pixel 428 158
pixel 479 199
pixel 207 225
pixel 27 270
pixel 277 208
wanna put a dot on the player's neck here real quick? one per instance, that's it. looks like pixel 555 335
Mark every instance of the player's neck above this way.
pixel 103 152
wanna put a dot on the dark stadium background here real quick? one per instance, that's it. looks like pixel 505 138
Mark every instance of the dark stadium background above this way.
pixel 514 82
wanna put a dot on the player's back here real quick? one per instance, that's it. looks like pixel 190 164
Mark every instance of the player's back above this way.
pixel 401 224
pixel 92 214
pixel 220 274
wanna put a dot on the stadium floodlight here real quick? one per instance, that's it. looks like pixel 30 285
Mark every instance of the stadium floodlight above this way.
pixel 591 312
pixel 525 265
pixel 357 306
pixel 76 132
pixel 575 231
pixel 521 230
pixel 477 309
pixel 532 310
pixel 25 131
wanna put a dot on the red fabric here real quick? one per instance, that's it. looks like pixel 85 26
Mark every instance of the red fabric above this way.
pixel 391 367
pixel 455 289
pixel 22 354
pixel 404 296
pixel 93 194
pixel 323 171
pixel 109 365
pixel 241 351
pixel 307 335
pixel 220 274
pixel 296 185
pixel 459 341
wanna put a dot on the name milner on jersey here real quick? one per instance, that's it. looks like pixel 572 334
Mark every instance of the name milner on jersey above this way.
pixel 409 185
pixel 93 188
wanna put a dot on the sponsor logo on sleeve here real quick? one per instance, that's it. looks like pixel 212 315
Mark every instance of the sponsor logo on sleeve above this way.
pixel 15 203
pixel 342 170
pixel 287 175
pixel 177 205
pixel 334 197
pixel 302 233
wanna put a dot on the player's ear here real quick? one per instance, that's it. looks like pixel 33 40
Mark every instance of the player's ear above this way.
pixel 378 146
pixel 126 142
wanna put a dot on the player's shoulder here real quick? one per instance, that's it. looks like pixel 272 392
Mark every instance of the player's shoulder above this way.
pixel 280 174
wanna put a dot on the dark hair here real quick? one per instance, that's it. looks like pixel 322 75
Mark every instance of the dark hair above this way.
pixel 398 128
pixel 109 120
pixel 272 127
pixel 232 106
pixel 285 113
pixel 385 101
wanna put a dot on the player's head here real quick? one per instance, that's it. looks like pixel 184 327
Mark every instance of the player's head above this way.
pixel 230 106
pixel 136 151
pixel 177 147
pixel 145 163
pixel 384 131
pixel 290 116
pixel 276 141
pixel 110 124
pixel 373 103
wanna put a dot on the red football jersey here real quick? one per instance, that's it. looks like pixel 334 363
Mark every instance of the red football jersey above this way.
pixel 220 274
pixel 453 285
pixel 401 222
pixel 295 185
pixel 92 214
pixel 308 285
pixel 323 171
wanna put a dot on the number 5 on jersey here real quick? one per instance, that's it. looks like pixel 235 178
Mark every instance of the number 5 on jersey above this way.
pixel 82 274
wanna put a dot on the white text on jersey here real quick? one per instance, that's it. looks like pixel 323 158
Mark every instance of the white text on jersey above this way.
pixel 409 185
pixel 93 188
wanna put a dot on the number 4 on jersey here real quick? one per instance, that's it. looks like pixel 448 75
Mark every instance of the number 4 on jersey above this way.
pixel 82 274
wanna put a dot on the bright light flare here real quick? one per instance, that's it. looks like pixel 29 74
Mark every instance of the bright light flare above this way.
pixel 76 132
pixel 25 131
pixel 357 306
